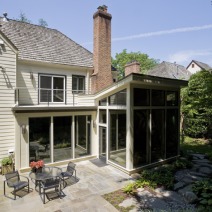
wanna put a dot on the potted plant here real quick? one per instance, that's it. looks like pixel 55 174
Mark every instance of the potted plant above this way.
pixel 36 166
pixel 7 165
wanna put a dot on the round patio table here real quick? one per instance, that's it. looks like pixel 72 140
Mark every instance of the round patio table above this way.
pixel 47 172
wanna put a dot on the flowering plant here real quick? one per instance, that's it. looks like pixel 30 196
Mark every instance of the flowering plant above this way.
pixel 36 165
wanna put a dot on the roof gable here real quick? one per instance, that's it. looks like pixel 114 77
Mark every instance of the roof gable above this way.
pixel 43 44
pixel 203 66
pixel 9 43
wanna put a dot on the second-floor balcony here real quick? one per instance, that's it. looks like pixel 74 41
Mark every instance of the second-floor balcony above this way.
pixel 49 97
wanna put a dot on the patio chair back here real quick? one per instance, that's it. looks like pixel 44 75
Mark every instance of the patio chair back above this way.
pixel 71 167
pixel 51 183
pixel 12 178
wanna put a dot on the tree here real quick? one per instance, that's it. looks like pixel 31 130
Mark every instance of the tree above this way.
pixel 197 105
pixel 23 18
pixel 42 22
pixel 121 59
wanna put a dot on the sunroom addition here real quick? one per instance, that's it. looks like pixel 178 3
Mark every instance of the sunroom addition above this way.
pixel 139 122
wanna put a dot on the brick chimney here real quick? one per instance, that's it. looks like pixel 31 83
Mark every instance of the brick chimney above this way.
pixel 132 67
pixel 102 76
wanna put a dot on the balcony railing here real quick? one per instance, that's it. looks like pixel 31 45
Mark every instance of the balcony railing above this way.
pixel 32 96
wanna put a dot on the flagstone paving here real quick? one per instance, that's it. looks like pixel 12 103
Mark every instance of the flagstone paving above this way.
pixel 83 195
pixel 96 178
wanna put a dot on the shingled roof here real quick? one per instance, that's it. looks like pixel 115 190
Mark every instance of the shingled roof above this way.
pixel 37 43
pixel 170 70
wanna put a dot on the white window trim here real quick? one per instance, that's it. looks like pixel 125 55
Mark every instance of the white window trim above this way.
pixel 52 90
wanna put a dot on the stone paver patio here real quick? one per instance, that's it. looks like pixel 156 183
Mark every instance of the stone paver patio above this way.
pixel 94 180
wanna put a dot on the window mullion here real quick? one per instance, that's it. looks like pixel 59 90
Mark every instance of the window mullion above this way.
pixel 52 90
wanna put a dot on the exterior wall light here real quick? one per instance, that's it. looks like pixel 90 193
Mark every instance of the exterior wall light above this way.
pixel 3 69
pixel 94 124
pixel 31 75
pixel 23 128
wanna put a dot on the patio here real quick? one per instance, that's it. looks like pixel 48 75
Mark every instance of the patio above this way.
pixel 94 179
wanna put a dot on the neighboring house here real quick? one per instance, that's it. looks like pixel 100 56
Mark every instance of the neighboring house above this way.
pixel 170 70
pixel 195 66
pixel 59 102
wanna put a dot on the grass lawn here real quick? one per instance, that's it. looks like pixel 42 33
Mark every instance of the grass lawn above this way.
pixel 194 145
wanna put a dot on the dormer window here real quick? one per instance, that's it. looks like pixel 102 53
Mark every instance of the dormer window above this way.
pixel 51 88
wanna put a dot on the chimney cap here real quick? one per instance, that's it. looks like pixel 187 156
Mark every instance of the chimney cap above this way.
pixel 5 17
pixel 103 8
pixel 132 62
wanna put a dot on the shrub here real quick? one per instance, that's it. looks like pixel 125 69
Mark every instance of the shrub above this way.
pixel 182 163
pixel 162 176
pixel 145 183
pixel 209 156
pixel 130 188
pixel 203 190
pixel 6 161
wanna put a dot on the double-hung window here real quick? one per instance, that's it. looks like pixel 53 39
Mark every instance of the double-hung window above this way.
pixel 51 88
pixel 78 84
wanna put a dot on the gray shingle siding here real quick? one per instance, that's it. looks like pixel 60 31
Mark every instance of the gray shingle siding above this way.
pixel 43 44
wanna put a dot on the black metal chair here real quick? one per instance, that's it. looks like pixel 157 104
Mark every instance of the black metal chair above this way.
pixel 13 180
pixel 70 171
pixel 52 185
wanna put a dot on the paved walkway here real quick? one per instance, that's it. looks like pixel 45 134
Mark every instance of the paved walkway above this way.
pixel 94 180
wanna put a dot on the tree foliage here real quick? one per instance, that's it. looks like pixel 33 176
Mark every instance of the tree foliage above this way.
pixel 23 18
pixel 197 105
pixel 121 59
pixel 42 22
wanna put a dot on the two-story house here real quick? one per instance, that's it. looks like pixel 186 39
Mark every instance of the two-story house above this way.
pixel 60 102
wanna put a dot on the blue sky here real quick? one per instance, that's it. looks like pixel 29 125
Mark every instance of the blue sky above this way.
pixel 174 31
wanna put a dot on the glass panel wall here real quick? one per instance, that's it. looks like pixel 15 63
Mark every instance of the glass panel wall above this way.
pixel 155 125
pixel 82 135
pixel 141 135
pixel 62 138
pixel 102 116
pixel 172 133
pixel 118 98
pixel 157 136
pixel 141 97
pixel 102 142
pixel 172 98
pixel 39 139
pixel 158 98
pixel 117 144
pixel 103 102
